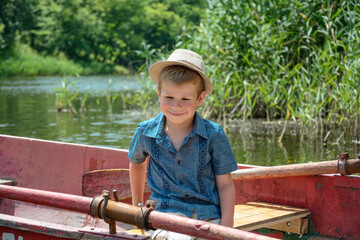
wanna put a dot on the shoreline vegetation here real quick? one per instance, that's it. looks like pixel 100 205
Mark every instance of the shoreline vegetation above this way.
pixel 276 60
pixel 25 61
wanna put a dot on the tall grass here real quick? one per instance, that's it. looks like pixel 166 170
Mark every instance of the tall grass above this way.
pixel 276 59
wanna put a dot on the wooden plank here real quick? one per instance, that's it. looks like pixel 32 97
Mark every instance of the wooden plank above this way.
pixel 242 213
pixel 265 220
pixel 298 226
pixel 252 215
pixel 274 206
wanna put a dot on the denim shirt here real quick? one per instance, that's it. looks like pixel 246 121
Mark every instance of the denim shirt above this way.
pixel 183 181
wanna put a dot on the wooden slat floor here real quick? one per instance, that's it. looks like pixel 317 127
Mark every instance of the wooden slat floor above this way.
pixel 254 215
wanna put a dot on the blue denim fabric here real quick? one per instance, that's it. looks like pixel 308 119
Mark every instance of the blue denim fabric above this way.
pixel 184 180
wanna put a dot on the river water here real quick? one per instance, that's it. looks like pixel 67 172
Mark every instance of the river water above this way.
pixel 28 109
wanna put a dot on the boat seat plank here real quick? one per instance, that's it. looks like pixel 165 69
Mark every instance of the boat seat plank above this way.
pixel 254 215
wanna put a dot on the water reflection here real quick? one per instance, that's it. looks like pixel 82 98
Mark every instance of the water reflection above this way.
pixel 257 142
pixel 27 108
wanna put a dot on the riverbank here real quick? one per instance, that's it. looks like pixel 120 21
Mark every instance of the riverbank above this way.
pixel 25 61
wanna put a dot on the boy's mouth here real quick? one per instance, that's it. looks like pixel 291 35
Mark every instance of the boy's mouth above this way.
pixel 176 114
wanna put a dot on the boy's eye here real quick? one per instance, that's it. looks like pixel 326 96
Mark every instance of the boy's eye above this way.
pixel 168 97
pixel 186 99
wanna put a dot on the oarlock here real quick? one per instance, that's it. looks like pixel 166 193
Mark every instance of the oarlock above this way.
pixel 343 164
pixel 112 210
pixel 347 166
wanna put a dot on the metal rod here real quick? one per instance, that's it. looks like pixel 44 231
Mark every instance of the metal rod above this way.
pixel 133 215
pixel 51 199
pixel 198 228
pixel 126 213
pixel 304 169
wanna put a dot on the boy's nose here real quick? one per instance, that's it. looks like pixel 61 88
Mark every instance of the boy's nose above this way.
pixel 177 103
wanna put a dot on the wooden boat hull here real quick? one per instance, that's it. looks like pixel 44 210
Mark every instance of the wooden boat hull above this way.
pixel 333 200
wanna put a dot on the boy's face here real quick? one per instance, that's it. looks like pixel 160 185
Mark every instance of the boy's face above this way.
pixel 179 102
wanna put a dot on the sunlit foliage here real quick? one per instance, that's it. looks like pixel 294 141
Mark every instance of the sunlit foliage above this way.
pixel 282 59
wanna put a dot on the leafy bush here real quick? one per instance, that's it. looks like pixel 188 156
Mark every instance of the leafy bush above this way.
pixel 25 61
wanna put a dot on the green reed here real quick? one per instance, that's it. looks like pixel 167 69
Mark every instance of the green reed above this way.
pixel 69 97
pixel 281 59
pixel 110 97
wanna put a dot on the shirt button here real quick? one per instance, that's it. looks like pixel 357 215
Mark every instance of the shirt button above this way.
pixel 178 162
pixel 186 195
pixel 181 183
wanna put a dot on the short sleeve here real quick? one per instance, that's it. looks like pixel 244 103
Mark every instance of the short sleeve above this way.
pixel 223 158
pixel 137 153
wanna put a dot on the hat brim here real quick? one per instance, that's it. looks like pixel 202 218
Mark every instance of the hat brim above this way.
pixel 156 69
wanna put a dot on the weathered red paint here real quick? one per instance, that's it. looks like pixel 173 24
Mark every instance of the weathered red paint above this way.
pixel 334 200
pixel 93 182
pixel 348 182
pixel 54 166
pixel 17 234
pixel 335 208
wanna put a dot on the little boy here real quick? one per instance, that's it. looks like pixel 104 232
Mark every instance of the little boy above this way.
pixel 189 158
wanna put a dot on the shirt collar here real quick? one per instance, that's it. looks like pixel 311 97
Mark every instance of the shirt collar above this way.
pixel 156 127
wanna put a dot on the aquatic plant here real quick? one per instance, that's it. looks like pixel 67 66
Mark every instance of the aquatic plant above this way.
pixel 69 97
pixel 110 97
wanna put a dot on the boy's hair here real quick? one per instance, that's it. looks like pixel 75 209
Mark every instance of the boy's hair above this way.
pixel 178 75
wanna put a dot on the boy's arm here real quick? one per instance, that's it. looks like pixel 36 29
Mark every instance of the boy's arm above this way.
pixel 137 181
pixel 226 191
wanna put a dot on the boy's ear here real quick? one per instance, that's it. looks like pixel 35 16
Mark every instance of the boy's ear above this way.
pixel 201 98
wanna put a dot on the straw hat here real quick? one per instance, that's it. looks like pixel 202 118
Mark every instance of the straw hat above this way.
pixel 185 58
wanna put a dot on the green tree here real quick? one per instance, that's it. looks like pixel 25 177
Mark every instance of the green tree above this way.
pixel 122 33
pixel 161 26
pixel 96 33
pixel 191 11
pixel 107 31
pixel 68 26
pixel 16 20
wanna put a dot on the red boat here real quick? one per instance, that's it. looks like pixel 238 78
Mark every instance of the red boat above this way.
pixel 50 190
